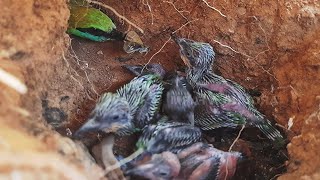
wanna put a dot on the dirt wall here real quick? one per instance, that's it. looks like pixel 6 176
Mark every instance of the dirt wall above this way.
pixel 270 47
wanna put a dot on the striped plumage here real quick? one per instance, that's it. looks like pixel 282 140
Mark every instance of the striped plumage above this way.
pixel 202 161
pixel 140 98
pixel 143 94
pixel 168 136
pixel 111 114
pixel 221 102
pixel 178 103
pixel 197 161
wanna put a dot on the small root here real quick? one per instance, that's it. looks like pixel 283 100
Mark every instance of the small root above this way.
pixel 184 26
pixel 166 43
pixel 235 140
pixel 226 46
pixel 83 65
pixel 211 7
pixel 156 54
pixel 124 161
pixel 92 87
pixel 149 8
pixel 116 13
pixel 179 11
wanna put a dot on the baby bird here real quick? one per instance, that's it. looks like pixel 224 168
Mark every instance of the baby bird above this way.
pixel 162 166
pixel 111 114
pixel 160 137
pixel 202 161
pixel 168 136
pixel 129 109
pixel 198 161
pixel 221 102
pixel 178 103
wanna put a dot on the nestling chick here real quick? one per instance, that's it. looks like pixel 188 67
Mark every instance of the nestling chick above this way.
pixel 132 107
pixel 198 161
pixel 222 102
pixel 162 166
pixel 168 136
pixel 144 92
pixel 178 103
pixel 111 114
pixel 202 161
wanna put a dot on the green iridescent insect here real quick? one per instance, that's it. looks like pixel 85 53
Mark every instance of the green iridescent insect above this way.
pixel 91 23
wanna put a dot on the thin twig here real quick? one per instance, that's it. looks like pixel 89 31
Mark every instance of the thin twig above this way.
pixel 211 7
pixel 234 142
pixel 94 90
pixel 68 66
pixel 264 31
pixel 264 51
pixel 226 46
pixel 156 53
pixel 184 26
pixel 116 13
pixel 65 59
pixel 166 43
pixel 124 161
pixel 180 12
pixel 149 8
pixel 83 66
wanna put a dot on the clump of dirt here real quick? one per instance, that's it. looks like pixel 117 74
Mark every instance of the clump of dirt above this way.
pixel 303 149
pixel 271 48
pixel 32 40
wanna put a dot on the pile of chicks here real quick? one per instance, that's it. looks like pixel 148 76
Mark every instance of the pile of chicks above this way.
pixel 170 111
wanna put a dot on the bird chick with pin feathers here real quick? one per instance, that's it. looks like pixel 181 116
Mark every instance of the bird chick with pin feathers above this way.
pixel 164 136
pixel 129 109
pixel 162 166
pixel 198 161
pixel 168 136
pixel 202 161
pixel 111 114
pixel 178 103
pixel 151 89
pixel 221 102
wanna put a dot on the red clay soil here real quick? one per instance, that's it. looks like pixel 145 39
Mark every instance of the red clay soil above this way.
pixel 273 50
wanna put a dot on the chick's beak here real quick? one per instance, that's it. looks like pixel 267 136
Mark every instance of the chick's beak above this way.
pixel 177 39
pixel 182 44
pixel 135 69
pixel 90 126
pixel 185 60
